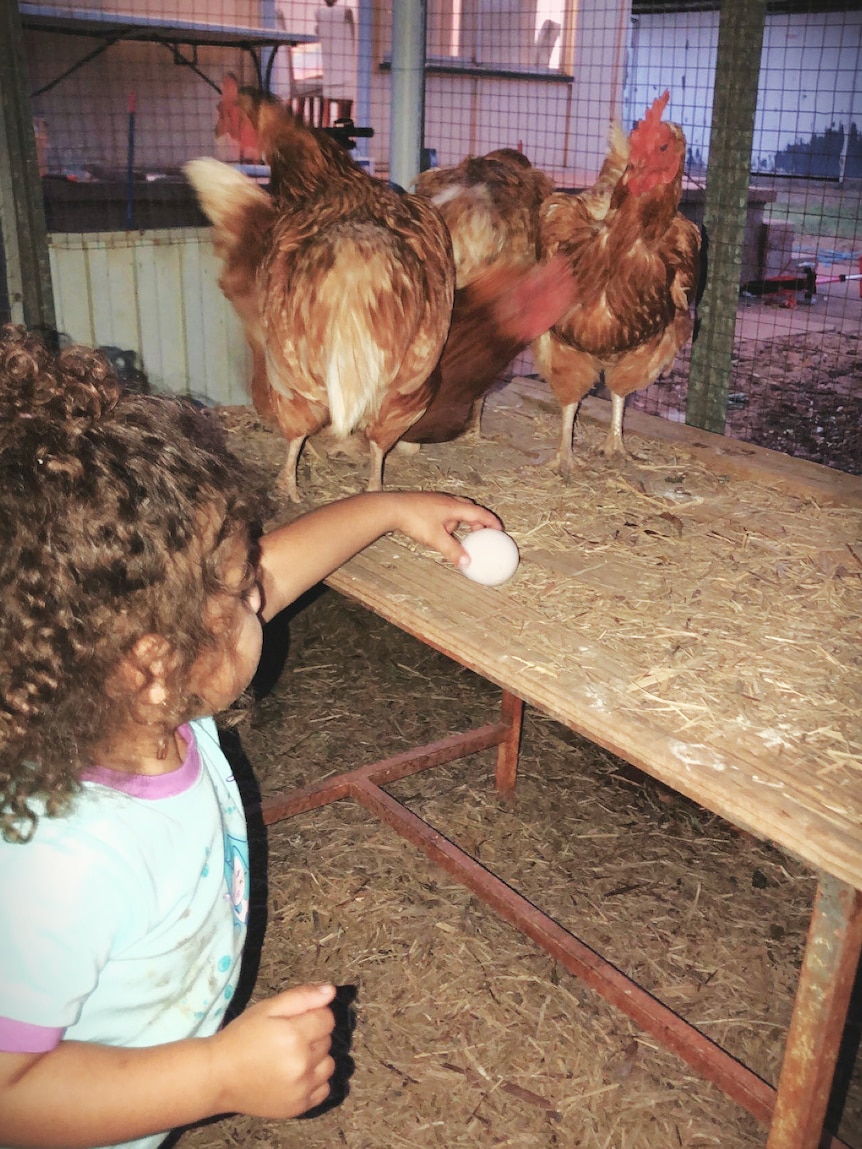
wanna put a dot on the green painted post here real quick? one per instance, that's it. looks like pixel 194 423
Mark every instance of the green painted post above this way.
pixel 740 39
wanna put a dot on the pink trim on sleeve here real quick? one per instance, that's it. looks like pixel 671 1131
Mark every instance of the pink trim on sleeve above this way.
pixel 22 1037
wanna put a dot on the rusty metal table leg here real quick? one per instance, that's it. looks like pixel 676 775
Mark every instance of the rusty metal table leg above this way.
pixel 819 1015
pixel 504 734
pixel 337 786
pixel 512 718
pixel 709 1059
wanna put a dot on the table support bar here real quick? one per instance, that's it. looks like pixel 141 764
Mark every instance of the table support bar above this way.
pixel 795 1113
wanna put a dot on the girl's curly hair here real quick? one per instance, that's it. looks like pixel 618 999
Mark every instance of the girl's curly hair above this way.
pixel 113 510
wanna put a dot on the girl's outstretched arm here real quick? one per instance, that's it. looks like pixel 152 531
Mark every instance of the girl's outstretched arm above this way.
pixel 297 556
pixel 272 1061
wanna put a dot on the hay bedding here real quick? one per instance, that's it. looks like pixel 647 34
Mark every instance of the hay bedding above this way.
pixel 467 1034
pixel 730 567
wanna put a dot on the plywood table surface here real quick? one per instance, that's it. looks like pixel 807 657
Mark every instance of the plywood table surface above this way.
pixel 745 780
pixel 735 759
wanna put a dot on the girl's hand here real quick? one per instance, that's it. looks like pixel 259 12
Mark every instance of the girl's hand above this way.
pixel 273 1060
pixel 296 556
pixel 432 518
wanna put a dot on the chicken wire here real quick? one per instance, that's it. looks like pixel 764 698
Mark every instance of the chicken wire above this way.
pixel 115 119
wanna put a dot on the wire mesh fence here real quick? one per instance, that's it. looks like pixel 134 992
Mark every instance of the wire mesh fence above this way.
pixel 121 100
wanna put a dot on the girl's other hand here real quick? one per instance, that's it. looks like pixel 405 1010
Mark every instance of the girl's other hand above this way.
pixel 273 1060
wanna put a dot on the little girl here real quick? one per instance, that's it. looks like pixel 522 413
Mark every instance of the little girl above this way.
pixel 133 584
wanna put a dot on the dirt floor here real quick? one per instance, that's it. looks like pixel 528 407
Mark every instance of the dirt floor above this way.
pixel 796 377
pixel 464 1032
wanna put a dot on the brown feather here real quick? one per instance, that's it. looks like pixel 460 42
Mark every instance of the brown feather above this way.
pixel 493 320
pixel 503 299
pixel 490 205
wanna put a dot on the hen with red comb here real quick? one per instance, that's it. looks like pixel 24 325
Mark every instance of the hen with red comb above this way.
pixel 635 262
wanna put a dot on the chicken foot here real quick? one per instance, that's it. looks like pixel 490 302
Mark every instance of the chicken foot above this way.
pixel 287 477
pixel 474 427
pixel 564 460
pixel 613 444
pixel 375 472
pixel 286 480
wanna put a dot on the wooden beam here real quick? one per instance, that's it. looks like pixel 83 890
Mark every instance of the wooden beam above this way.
pixel 737 73
pixel 22 210
pixel 819 1016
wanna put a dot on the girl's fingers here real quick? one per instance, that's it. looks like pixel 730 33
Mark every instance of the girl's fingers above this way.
pixel 301 999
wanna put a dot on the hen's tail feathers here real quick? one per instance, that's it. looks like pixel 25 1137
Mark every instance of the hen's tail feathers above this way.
pixel 352 361
pixel 597 198
pixel 226 196
pixel 617 154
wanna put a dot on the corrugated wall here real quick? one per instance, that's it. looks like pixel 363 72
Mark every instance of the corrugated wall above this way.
pixel 155 293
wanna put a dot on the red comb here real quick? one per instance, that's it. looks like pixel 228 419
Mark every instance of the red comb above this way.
pixel 653 116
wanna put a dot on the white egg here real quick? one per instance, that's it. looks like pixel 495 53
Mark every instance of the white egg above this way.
pixel 493 556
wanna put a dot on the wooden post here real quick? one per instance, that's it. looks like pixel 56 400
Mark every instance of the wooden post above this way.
pixel 740 39
pixel 819 1016
pixel 22 210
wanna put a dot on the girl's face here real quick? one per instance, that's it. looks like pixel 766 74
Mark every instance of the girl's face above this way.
pixel 220 675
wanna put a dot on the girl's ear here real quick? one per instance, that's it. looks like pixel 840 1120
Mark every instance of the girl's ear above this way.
pixel 144 670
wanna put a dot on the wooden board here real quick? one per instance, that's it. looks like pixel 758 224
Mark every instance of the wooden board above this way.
pixel 752 581
pixel 155 293
pixel 696 610
pixel 742 780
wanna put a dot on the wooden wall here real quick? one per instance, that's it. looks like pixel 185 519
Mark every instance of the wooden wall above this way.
pixel 156 293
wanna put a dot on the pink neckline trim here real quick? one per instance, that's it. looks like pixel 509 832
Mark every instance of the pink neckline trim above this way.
pixel 153 786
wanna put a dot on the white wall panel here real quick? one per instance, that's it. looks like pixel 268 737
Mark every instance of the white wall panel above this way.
pixel 155 293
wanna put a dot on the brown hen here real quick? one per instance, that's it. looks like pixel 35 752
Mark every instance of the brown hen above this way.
pixel 344 287
pixel 491 206
pixel 634 261
pixel 503 300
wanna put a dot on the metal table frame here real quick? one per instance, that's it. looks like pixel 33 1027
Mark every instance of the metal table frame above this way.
pixel 796 1110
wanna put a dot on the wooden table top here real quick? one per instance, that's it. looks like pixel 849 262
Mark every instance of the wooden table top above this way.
pixel 696 612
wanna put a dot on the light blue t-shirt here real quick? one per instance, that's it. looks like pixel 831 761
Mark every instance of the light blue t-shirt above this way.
pixel 123 921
